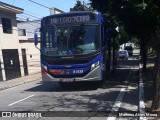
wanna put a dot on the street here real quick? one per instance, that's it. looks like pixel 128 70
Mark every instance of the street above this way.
pixel 80 60
pixel 119 93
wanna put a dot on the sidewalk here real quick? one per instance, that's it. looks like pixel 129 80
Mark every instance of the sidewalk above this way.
pixel 148 87
pixel 19 81
pixel 148 84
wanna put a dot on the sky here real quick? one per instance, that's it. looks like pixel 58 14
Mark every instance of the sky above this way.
pixel 34 11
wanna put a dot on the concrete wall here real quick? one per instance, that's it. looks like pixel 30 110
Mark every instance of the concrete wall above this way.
pixel 33 57
pixel 9 41
pixel 13 41
pixel 33 54
pixel 30 27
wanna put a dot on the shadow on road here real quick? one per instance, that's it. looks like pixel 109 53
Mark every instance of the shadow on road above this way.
pixel 90 96
pixel 116 79
pixel 68 87
pixel 148 77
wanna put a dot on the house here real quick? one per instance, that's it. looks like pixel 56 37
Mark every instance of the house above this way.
pixel 26 30
pixel 16 51
pixel 26 42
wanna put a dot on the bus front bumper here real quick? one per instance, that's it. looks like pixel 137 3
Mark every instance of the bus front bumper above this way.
pixel 94 75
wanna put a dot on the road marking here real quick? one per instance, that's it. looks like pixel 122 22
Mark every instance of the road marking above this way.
pixel 20 100
pixel 136 68
pixel 119 99
pixel 141 94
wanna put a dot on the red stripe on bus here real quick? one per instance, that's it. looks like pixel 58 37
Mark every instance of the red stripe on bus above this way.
pixel 55 72
pixel 44 72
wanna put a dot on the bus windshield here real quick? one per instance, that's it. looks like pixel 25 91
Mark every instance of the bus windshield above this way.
pixel 69 40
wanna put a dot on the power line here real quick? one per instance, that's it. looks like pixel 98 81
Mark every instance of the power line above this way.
pixel 26 17
pixel 34 21
pixel 22 18
pixel 16 29
pixel 24 13
pixel 33 13
pixel 40 4
pixel 31 23
pixel 56 5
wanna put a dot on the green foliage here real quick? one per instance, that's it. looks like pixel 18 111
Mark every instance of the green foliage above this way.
pixel 140 18
pixel 104 7
pixel 123 36
pixel 78 7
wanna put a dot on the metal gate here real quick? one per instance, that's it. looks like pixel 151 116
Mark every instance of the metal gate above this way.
pixel 11 63
pixel 24 62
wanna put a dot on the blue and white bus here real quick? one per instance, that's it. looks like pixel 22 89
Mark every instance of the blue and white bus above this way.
pixel 74 47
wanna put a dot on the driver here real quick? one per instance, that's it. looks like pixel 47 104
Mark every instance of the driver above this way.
pixel 76 39
pixel 62 41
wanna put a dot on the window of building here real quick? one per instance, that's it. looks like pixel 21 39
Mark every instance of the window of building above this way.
pixel 7 27
pixel 21 32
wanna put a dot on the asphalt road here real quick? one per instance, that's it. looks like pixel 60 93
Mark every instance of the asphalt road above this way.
pixel 119 94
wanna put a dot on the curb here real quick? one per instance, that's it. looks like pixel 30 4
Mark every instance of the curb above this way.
pixel 18 84
pixel 141 93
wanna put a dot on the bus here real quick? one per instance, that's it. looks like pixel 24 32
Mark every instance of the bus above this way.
pixel 74 47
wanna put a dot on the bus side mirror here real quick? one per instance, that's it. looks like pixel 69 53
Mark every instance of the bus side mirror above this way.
pixel 36 36
pixel 35 39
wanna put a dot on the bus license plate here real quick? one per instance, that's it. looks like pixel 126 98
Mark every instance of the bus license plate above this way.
pixel 67 80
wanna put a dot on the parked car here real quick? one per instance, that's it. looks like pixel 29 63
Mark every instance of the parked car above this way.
pixel 129 49
pixel 123 54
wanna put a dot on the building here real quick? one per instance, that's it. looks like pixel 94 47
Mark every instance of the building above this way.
pixel 26 42
pixel 55 10
pixel 26 30
pixel 9 44
pixel 16 51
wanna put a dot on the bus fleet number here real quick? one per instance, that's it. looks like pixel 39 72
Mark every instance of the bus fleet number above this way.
pixel 78 71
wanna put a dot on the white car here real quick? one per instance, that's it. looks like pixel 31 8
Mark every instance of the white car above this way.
pixel 123 54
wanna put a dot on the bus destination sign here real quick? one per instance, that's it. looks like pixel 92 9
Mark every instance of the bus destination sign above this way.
pixel 70 19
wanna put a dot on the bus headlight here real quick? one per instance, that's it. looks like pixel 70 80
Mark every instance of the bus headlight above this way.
pixel 94 65
pixel 44 67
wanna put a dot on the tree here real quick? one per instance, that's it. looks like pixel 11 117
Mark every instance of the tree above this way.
pixel 123 36
pixel 129 12
pixel 140 19
pixel 79 7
